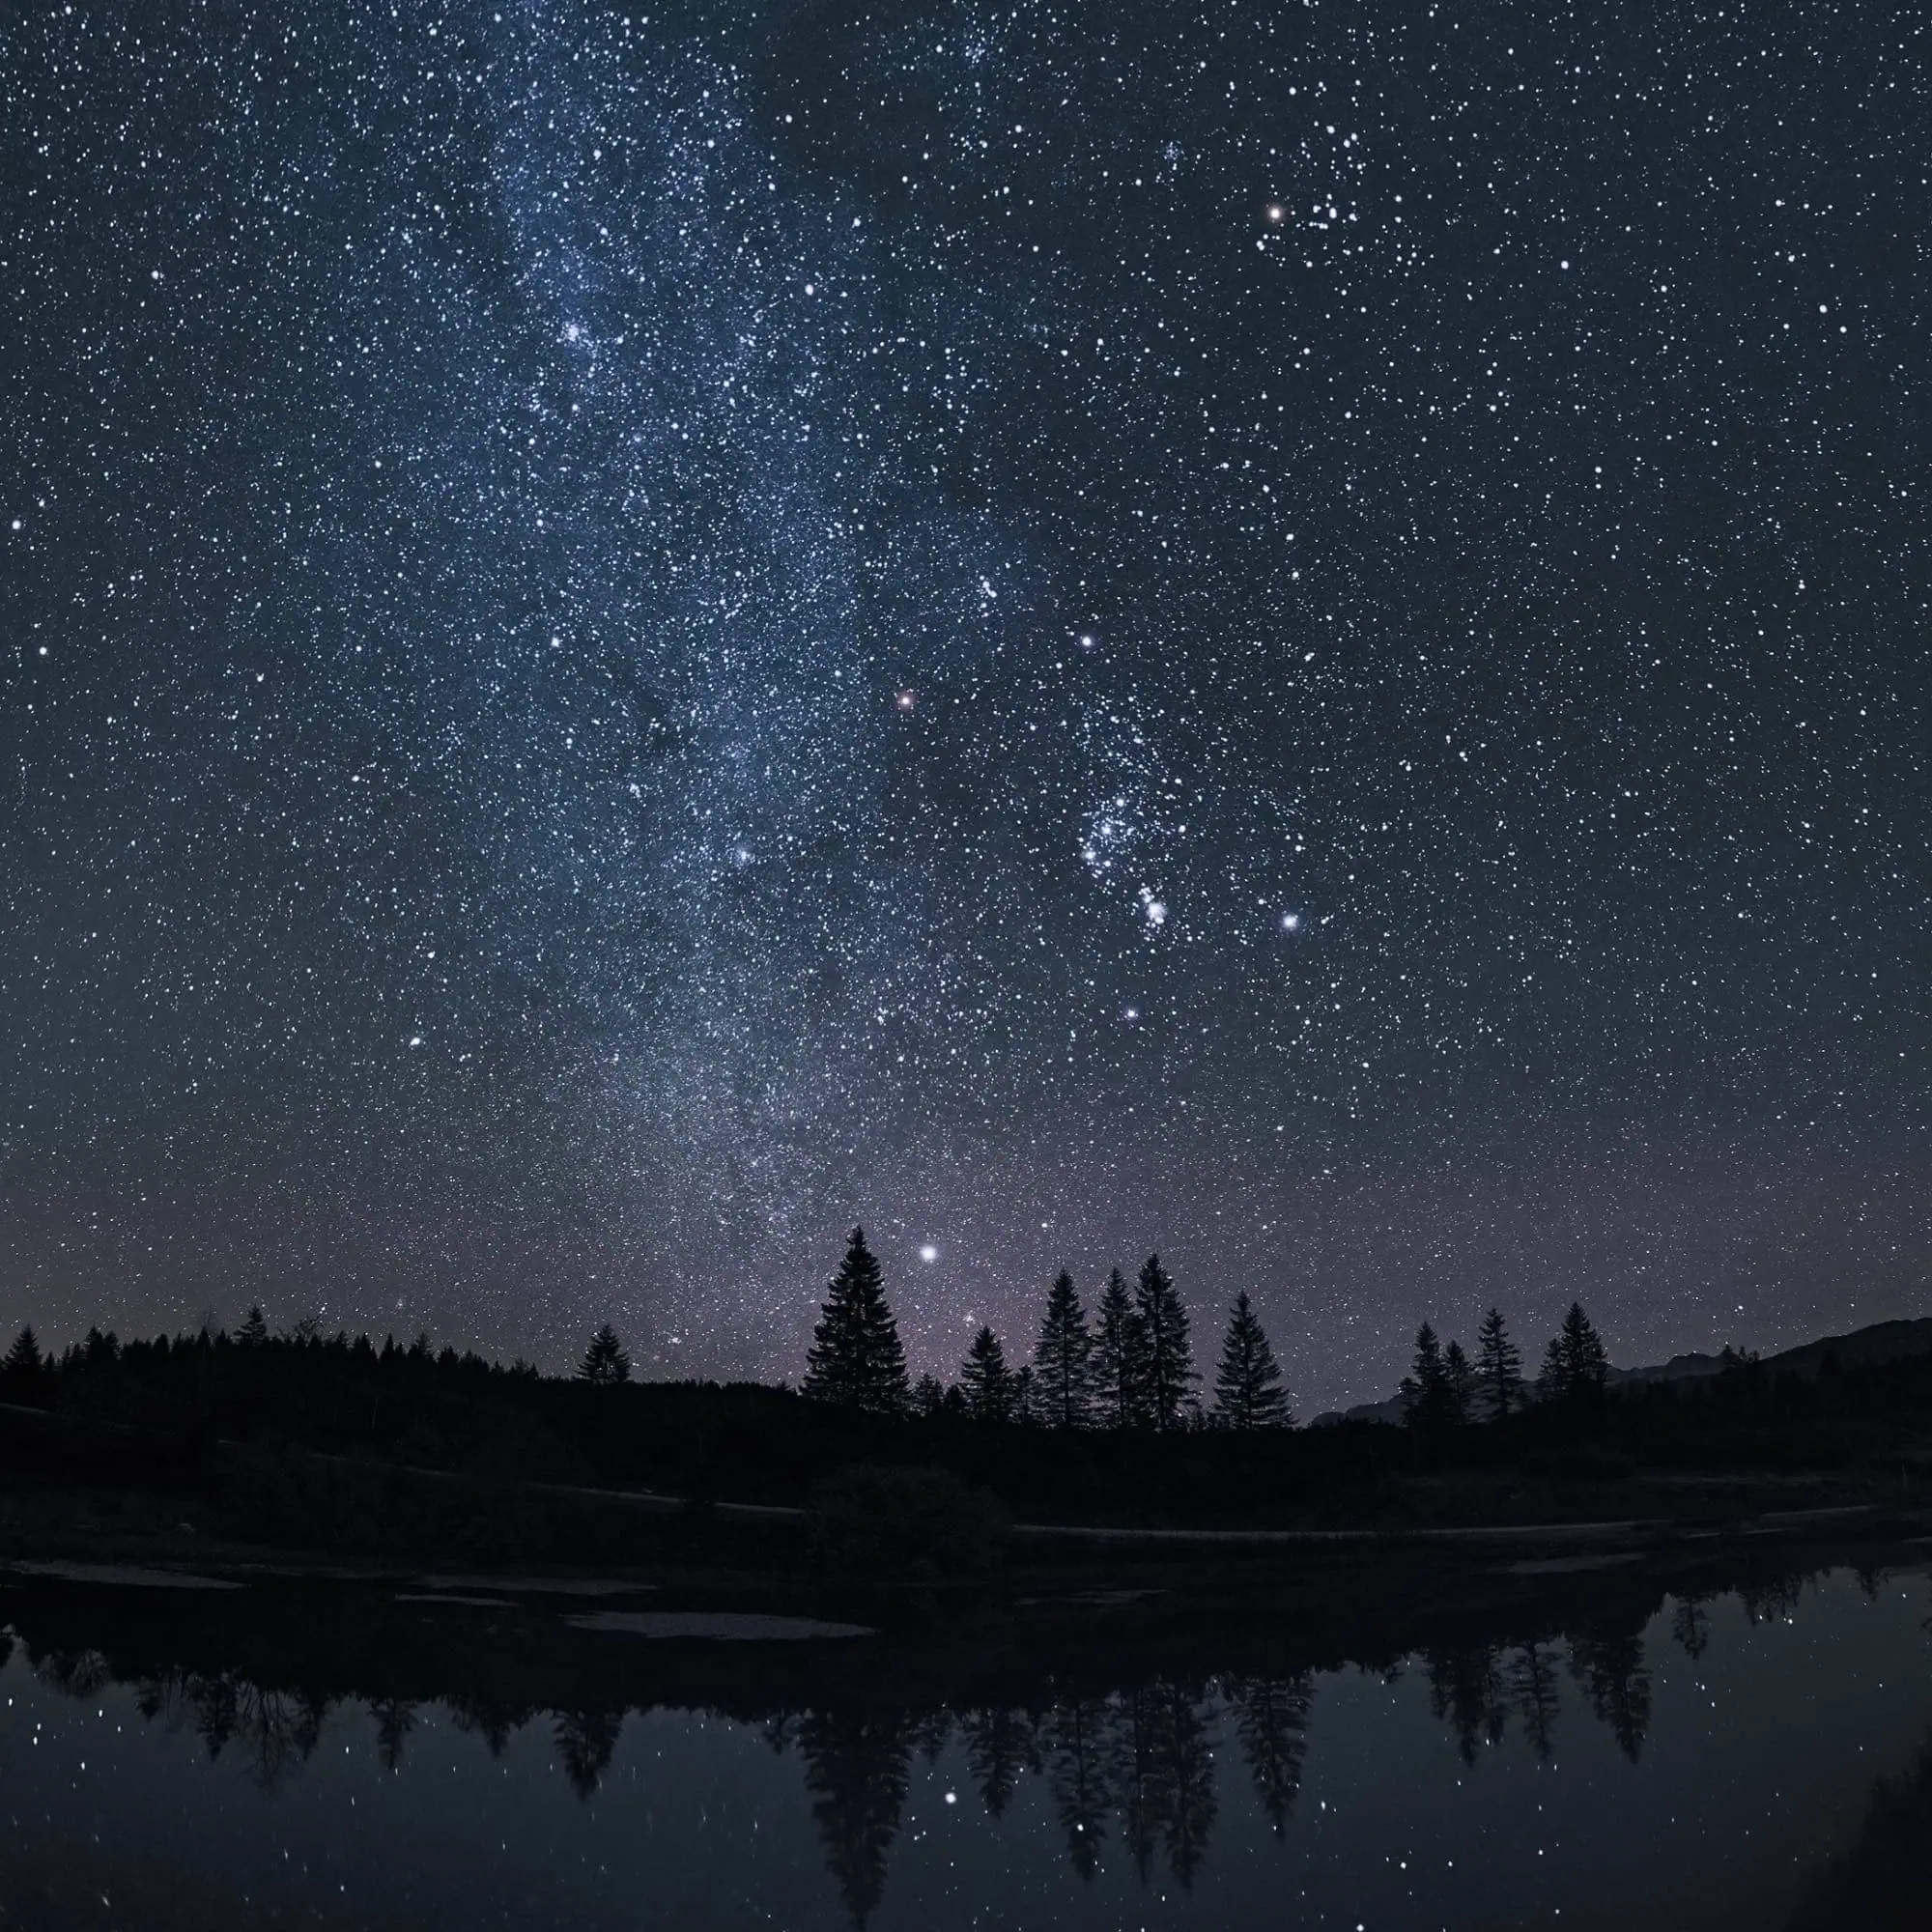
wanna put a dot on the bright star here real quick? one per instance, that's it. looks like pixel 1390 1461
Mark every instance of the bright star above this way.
pixel 1291 921
pixel 928 1253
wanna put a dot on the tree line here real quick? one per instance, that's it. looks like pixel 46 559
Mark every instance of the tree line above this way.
pixel 1130 1367
pixel 1444 1389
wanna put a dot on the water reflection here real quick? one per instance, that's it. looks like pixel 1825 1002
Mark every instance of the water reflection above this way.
pixel 1131 1772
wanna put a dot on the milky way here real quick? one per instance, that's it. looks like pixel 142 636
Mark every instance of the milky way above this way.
pixel 1291 634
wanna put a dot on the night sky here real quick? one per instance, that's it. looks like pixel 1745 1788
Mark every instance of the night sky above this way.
pixel 1294 633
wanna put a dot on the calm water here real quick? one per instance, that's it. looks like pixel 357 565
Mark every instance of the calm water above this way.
pixel 1755 1759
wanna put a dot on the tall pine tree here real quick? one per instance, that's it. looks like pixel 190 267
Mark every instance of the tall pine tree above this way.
pixel 1120 1359
pixel 605 1361
pixel 1425 1389
pixel 1247 1391
pixel 855 1360
pixel 985 1380
pixel 1498 1367
pixel 23 1358
pixel 1576 1367
pixel 1458 1385
pixel 1170 1361
pixel 1064 1362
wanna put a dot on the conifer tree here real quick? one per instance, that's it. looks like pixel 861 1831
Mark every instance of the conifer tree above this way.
pixel 23 1358
pixel 855 1360
pixel 255 1330
pixel 1170 1362
pixel 1023 1395
pixel 1247 1391
pixel 1120 1358
pixel 928 1396
pixel 605 1362
pixel 984 1382
pixel 1498 1367
pixel 1576 1367
pixel 1458 1386
pixel 1065 1359
pixel 1425 1389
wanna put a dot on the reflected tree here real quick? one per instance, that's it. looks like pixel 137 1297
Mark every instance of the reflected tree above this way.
pixel 1002 1747
pixel 73 1673
pixel 1080 1750
pixel 277 1729
pixel 395 1718
pixel 1772 1600
pixel 856 1765
pixel 1690 1624
pixel 1609 1669
pixel 490 1719
pixel 1272 1723
pixel 1170 1793
pixel 1466 1690
pixel 586 1742
pixel 1533 1688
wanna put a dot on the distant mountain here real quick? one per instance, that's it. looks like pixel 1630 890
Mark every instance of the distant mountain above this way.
pixel 1882 1341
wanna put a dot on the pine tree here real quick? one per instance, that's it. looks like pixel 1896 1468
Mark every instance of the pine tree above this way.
pixel 254 1331
pixel 1120 1358
pixel 1065 1359
pixel 605 1362
pixel 856 1360
pixel 1425 1389
pixel 928 1396
pixel 984 1380
pixel 1576 1367
pixel 1498 1367
pixel 23 1358
pixel 1170 1362
pixel 1247 1391
pixel 1023 1396
pixel 1458 1386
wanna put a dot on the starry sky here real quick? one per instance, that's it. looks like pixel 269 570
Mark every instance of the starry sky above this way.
pixel 1291 634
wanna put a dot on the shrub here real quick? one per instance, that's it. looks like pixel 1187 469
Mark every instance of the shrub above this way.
pixel 904 1525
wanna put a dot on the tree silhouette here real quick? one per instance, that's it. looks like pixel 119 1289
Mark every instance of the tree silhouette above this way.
pixel 1425 1389
pixel 1533 1684
pixel 1170 1362
pixel 395 1718
pixel 984 1380
pixel 1001 1748
pixel 587 1741
pixel 928 1396
pixel 1064 1362
pixel 1078 1751
pixel 1459 1384
pixel 254 1328
pixel 22 1365
pixel 1247 1390
pixel 1610 1671
pixel 1466 1689
pixel 1575 1367
pixel 1120 1358
pixel 1690 1624
pixel 855 1767
pixel 1498 1367
pixel 1272 1723
pixel 605 1362
pixel 855 1360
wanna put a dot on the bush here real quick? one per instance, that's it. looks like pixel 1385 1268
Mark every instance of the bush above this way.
pixel 904 1525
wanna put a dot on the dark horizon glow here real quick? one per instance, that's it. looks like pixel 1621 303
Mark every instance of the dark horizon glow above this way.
pixel 1294 638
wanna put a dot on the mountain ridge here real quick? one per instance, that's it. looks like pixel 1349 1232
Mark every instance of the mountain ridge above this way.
pixel 1878 1342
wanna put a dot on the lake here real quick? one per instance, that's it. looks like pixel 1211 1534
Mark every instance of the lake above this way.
pixel 440 1755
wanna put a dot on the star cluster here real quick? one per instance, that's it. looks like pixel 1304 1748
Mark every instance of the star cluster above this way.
pixel 1289 634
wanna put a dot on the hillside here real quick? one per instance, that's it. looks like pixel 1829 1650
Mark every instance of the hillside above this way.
pixel 1881 1342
